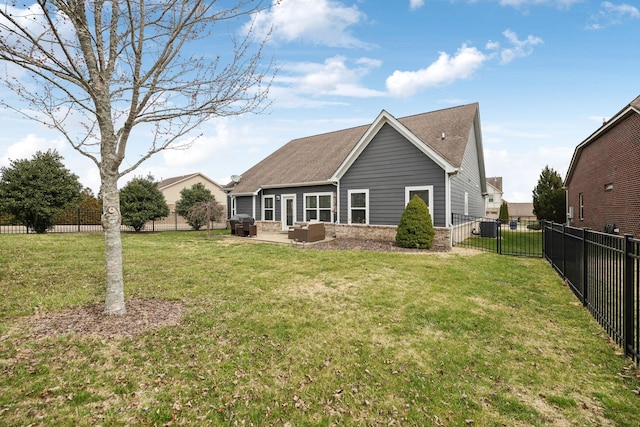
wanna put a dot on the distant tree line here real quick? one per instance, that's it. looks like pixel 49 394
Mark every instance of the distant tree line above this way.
pixel 40 193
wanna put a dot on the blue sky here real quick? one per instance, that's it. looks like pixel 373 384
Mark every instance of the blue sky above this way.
pixel 544 72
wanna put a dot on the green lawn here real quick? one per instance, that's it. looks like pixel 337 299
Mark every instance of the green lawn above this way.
pixel 276 335
pixel 520 242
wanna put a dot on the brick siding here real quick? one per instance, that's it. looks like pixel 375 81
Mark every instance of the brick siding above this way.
pixel 613 159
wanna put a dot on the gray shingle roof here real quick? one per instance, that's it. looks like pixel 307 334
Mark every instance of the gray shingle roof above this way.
pixel 176 179
pixel 167 182
pixel 315 159
pixel 496 181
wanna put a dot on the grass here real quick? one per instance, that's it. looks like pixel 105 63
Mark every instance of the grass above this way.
pixel 518 242
pixel 276 335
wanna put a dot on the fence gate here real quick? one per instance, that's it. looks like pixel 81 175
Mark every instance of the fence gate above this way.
pixel 518 238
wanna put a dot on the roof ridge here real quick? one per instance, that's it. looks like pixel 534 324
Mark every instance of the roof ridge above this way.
pixel 383 110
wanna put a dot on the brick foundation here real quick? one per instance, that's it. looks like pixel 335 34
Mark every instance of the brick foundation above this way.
pixel 441 241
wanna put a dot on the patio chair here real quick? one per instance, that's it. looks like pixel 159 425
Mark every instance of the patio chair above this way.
pixel 249 229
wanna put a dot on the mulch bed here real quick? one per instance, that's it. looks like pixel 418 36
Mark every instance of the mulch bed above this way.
pixel 91 320
pixel 364 245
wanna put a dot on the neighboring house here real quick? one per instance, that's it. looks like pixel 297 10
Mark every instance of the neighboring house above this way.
pixel 366 175
pixel 521 211
pixel 603 180
pixel 171 188
pixel 494 196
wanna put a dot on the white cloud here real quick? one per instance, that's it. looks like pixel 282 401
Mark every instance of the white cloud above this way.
pixel 334 77
pixel 612 14
pixel 321 22
pixel 415 4
pixel 519 48
pixel 446 69
pixel 28 146
pixel 467 60
pixel 564 4
pixel 219 137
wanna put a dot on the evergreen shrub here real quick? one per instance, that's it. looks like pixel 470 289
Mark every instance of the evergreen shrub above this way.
pixel 415 229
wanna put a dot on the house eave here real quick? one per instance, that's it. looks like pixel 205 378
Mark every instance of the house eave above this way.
pixel 629 109
pixel 188 177
pixel 300 184
pixel 276 186
pixel 385 118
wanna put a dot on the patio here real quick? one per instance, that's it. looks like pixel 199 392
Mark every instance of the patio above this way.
pixel 279 237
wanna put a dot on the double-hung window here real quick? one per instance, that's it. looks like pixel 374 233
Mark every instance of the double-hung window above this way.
pixel 318 207
pixel 358 206
pixel 268 208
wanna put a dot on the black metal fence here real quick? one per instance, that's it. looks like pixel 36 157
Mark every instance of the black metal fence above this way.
pixel 88 221
pixel 603 271
pixel 519 238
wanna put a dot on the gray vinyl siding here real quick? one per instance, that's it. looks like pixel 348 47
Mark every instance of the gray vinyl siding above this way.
pixel 386 167
pixel 468 180
pixel 244 205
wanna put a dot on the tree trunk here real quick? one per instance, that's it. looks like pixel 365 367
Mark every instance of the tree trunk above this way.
pixel 111 219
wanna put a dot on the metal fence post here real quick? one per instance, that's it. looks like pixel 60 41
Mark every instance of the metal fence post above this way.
pixel 499 236
pixel 585 268
pixel 564 252
pixel 628 295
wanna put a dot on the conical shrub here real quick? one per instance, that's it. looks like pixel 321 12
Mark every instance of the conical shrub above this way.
pixel 415 229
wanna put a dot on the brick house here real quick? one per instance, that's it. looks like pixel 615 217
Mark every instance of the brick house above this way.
pixel 603 180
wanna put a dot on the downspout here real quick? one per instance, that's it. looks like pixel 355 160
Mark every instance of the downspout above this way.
pixel 337 184
pixel 566 206
pixel 447 189
pixel 253 203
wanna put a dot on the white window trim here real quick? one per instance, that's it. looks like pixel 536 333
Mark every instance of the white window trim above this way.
pixel 283 209
pixel 264 209
pixel 317 195
pixel 366 202
pixel 429 188
pixel 233 205
pixel 466 203
pixel 581 206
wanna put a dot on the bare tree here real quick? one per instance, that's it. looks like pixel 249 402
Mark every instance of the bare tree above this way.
pixel 109 68
pixel 206 212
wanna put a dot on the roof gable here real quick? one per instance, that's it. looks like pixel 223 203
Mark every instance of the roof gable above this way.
pixel 495 182
pixel 321 159
pixel 169 182
pixel 632 108
pixel 386 118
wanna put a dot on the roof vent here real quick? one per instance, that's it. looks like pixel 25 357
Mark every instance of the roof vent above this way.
pixel 442 137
